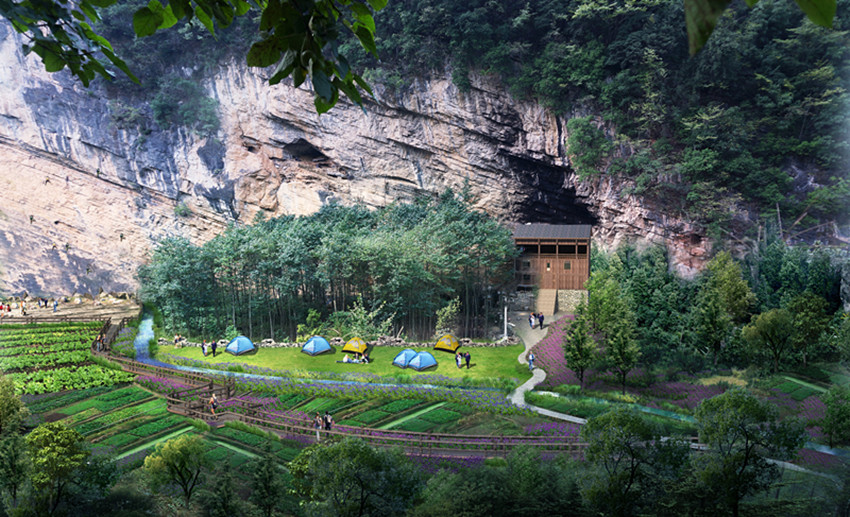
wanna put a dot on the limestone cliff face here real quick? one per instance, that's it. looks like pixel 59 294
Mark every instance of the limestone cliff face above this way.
pixel 82 201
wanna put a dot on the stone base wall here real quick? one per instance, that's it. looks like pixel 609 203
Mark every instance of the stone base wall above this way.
pixel 569 299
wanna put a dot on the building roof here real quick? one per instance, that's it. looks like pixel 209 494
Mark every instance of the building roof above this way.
pixel 552 231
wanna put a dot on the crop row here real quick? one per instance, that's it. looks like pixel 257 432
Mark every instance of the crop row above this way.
pixel 21 362
pixel 23 338
pixel 371 416
pixel 109 401
pixel 324 404
pixel 69 378
pixel 440 416
pixel 157 426
pixel 416 425
pixel 398 406
pixel 148 408
pixel 258 442
pixel 61 326
pixel 51 401
pixel 83 337
pixel 477 400
pixel 45 349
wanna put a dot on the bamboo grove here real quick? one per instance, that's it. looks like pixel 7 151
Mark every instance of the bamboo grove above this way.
pixel 405 261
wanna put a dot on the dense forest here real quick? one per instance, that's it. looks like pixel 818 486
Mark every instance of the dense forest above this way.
pixel 756 124
pixel 779 308
pixel 399 265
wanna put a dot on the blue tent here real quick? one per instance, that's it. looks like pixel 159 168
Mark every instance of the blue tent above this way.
pixel 316 345
pixel 421 361
pixel 403 358
pixel 240 345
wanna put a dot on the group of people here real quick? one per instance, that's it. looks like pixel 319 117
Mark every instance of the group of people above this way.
pixel 535 318
pixel 211 347
pixel 460 358
pixel 357 359
pixel 6 308
pixel 322 422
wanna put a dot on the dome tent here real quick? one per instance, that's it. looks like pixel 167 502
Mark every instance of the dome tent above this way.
pixel 240 345
pixel 422 361
pixel 447 343
pixel 355 345
pixel 316 345
pixel 403 358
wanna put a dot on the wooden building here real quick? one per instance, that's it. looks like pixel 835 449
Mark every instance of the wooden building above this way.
pixel 554 256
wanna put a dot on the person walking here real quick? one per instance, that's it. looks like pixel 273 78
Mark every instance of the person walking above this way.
pixel 467 356
pixel 329 421
pixel 55 304
pixel 213 347
pixel 458 359
pixel 540 319
pixel 531 361
pixel 317 424
pixel 204 347
pixel 531 320
pixel 213 406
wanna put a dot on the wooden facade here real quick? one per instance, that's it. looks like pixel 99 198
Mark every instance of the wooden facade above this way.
pixel 553 256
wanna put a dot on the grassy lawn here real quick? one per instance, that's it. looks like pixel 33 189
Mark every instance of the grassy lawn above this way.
pixel 486 361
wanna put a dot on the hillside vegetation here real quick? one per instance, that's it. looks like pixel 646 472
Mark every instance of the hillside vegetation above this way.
pixel 758 118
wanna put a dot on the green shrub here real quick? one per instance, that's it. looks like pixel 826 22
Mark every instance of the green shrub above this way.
pixel 200 425
pixel 587 146
pixel 182 210
pixel 251 429
pixel 496 462
pixel 182 102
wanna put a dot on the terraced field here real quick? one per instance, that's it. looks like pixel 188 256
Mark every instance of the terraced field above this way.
pixel 53 357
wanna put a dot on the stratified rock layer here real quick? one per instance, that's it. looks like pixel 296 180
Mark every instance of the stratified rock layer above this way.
pixel 82 200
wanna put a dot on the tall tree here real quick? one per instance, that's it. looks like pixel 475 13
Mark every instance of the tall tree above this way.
pixel 810 319
pixel 629 458
pixel 724 276
pixel 836 418
pixel 350 478
pixel 179 461
pixel 267 484
pixel 56 452
pixel 12 409
pixel 613 321
pixel 579 346
pixel 14 470
pixel 712 321
pixel 770 332
pixel 742 432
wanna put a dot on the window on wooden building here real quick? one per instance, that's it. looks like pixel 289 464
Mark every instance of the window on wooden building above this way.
pixel 567 265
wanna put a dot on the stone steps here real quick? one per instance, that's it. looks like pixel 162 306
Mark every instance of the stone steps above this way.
pixel 547 301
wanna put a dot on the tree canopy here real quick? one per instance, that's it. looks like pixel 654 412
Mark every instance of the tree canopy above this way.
pixel 399 264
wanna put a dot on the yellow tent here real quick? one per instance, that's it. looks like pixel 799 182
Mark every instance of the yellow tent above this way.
pixel 448 343
pixel 355 345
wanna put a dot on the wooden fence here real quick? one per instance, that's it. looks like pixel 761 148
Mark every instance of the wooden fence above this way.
pixel 194 403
